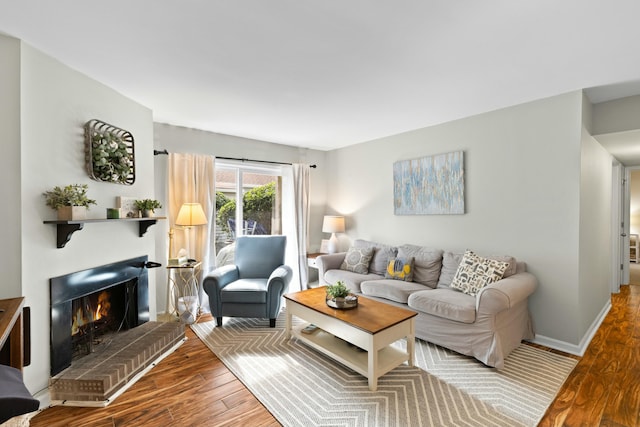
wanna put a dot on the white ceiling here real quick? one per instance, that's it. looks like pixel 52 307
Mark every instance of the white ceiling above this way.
pixel 327 74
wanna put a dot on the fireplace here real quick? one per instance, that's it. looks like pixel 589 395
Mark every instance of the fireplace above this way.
pixel 90 305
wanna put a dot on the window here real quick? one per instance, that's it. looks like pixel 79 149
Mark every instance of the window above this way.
pixel 248 202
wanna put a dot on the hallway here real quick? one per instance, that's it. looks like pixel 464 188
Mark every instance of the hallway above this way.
pixel 604 388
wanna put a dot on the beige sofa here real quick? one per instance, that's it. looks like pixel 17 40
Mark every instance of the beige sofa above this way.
pixel 487 326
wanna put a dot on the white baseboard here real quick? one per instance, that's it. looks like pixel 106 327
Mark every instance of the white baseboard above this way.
pixel 579 349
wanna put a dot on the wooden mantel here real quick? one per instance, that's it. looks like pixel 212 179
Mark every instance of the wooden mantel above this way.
pixel 11 332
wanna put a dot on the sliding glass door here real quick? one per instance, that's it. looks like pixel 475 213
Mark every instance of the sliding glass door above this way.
pixel 248 202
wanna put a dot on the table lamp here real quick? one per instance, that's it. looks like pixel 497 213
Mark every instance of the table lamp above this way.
pixel 190 215
pixel 333 224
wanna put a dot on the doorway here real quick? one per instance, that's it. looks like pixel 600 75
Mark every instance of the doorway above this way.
pixel 634 225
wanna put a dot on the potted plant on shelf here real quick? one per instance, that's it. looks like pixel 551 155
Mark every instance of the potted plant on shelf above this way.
pixel 339 296
pixel 147 207
pixel 70 201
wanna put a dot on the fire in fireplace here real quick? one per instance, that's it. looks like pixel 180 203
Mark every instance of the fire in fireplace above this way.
pixel 90 305
pixel 94 318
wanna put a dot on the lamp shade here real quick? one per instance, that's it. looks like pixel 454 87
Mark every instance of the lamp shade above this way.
pixel 191 214
pixel 333 224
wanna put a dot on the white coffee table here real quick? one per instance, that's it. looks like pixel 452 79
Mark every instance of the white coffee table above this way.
pixel 373 326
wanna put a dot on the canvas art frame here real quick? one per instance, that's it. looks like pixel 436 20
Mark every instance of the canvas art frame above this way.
pixel 431 185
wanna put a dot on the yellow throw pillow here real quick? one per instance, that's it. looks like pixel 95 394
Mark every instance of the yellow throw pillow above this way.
pixel 400 269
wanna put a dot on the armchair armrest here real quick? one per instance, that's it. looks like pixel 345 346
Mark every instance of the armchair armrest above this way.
pixel 280 277
pixel 277 285
pixel 219 278
pixel 506 293
pixel 328 262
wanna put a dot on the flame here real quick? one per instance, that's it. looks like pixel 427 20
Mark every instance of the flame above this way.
pixel 79 319
pixel 103 305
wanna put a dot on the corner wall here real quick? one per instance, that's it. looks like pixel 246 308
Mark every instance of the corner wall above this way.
pixel 55 103
pixel 10 171
pixel 595 235
pixel 522 197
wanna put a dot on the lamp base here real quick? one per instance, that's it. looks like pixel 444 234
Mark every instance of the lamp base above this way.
pixel 332 247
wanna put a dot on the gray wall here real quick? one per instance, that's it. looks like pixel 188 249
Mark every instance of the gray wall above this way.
pixel 54 104
pixel 10 171
pixel 619 115
pixel 177 139
pixel 523 183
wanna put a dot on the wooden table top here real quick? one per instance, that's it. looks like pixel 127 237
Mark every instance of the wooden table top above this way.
pixel 12 310
pixel 370 316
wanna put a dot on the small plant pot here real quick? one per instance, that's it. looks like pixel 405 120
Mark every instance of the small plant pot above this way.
pixel 72 213
pixel 147 213
pixel 342 303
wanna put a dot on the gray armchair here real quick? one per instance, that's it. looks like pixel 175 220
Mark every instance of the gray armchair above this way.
pixel 254 286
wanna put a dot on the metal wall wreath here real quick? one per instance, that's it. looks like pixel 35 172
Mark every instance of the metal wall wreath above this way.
pixel 110 155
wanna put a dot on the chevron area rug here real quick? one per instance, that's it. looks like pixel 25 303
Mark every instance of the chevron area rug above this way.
pixel 302 387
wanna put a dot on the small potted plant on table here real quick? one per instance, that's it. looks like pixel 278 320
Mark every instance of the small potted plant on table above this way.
pixel 70 201
pixel 147 207
pixel 339 296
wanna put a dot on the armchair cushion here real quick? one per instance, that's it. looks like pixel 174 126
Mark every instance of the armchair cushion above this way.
pixel 249 291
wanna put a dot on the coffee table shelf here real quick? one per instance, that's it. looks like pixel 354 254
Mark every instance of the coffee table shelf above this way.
pixel 339 350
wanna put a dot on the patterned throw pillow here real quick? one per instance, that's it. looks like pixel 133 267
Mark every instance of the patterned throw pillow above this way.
pixel 476 272
pixel 357 260
pixel 400 269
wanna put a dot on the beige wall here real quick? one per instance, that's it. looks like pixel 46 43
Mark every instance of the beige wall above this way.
pixel 595 234
pixel 54 104
pixel 177 139
pixel 523 183
pixel 11 248
pixel 619 115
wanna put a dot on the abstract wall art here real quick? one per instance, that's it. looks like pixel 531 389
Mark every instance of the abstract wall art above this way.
pixel 429 185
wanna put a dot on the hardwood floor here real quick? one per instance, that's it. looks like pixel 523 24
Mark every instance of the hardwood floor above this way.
pixel 604 389
pixel 191 387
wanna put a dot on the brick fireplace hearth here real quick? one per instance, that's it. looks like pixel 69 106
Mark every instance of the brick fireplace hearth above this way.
pixel 101 338
pixel 100 377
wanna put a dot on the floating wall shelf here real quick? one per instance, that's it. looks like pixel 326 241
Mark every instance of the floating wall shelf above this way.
pixel 67 228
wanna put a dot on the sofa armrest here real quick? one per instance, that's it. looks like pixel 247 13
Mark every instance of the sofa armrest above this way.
pixel 328 262
pixel 506 293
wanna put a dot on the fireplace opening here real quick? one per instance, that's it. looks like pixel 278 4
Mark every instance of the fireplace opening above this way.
pixel 98 316
pixel 88 307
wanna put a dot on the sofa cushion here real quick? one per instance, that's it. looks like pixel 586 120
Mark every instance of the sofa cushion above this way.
pixel 427 264
pixel 400 269
pixel 390 289
pixel 476 272
pixel 381 255
pixel 357 260
pixel 451 261
pixel 445 303
pixel 351 280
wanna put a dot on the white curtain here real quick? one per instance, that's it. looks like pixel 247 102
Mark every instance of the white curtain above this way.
pixel 192 180
pixel 302 205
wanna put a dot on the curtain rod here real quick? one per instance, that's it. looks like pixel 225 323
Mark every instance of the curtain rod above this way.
pixel 157 152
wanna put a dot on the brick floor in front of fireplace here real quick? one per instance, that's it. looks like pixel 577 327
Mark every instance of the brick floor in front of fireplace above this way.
pixel 98 376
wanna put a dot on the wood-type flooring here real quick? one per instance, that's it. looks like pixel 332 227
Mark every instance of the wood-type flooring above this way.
pixel 192 387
